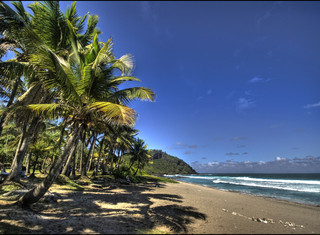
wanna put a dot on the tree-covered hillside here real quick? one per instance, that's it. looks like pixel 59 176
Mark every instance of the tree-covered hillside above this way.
pixel 164 163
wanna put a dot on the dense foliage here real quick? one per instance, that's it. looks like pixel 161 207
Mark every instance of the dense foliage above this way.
pixel 164 163
pixel 61 108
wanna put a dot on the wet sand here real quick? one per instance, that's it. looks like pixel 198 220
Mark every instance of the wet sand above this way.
pixel 169 208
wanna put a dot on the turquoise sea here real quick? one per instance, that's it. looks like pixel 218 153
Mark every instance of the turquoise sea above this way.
pixel 301 188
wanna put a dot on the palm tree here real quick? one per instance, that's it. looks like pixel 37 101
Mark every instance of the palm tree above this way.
pixel 139 155
pixel 47 27
pixel 88 92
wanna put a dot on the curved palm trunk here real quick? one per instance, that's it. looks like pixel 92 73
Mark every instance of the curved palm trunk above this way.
pixel 138 168
pixel 130 167
pixel 22 148
pixel 36 193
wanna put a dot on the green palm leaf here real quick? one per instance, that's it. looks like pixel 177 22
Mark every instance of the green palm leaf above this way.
pixel 49 110
pixel 115 113
pixel 133 93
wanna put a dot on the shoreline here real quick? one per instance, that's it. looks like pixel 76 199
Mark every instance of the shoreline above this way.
pixel 234 212
pixel 146 208
pixel 254 195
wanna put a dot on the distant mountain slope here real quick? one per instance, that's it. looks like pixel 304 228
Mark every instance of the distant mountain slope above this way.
pixel 164 163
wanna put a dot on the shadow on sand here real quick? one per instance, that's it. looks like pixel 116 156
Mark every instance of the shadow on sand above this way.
pixel 106 209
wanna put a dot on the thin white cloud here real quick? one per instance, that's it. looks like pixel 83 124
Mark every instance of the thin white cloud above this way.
pixel 239 138
pixel 280 159
pixel 256 79
pixel 266 15
pixel 308 106
pixel 243 104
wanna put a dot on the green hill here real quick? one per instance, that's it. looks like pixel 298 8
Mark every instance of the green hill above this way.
pixel 164 163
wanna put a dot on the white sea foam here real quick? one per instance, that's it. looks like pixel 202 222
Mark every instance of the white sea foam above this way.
pixel 314 182
pixel 299 188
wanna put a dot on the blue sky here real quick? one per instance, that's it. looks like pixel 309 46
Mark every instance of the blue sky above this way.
pixel 237 83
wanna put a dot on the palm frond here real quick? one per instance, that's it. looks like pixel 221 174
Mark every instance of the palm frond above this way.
pixel 134 93
pixel 115 113
pixel 13 69
pixel 116 81
pixel 50 111
pixel 104 55
pixel 124 64
pixel 57 73
pixel 21 11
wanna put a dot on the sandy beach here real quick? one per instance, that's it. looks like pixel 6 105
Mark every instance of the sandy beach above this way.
pixel 169 208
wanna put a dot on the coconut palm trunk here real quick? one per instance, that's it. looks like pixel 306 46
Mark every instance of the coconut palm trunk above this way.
pixel 12 96
pixel 36 193
pixel 81 157
pixel 66 166
pixel 90 154
pixel 22 148
pixel 95 172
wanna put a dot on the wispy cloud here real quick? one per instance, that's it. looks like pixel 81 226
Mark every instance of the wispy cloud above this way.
pixel 308 106
pixel 193 146
pixel 309 164
pixel 259 79
pixel 239 138
pixel 232 154
pixel 244 104
pixel 242 146
pixel 248 93
pixel 188 152
pixel 265 16
pixel 180 145
pixel 274 126
pixel 150 15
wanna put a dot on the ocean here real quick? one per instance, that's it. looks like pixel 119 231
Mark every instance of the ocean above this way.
pixel 301 188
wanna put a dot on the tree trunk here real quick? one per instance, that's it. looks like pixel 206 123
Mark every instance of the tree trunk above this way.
pixel 81 157
pixel 137 169
pixel 43 168
pixel 13 94
pixel 89 167
pixel 130 167
pixel 34 166
pixel 85 169
pixel 36 193
pixel 28 163
pixel 22 148
pixel 75 159
pixel 66 166
pixel 95 172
